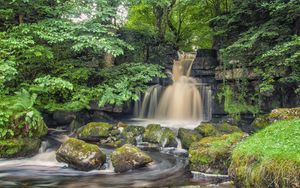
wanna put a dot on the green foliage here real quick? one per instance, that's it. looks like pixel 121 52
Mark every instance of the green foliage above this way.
pixel 234 105
pixel 181 22
pixel 19 117
pixel 264 35
pixel 269 158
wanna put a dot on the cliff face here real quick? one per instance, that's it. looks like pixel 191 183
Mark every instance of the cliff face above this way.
pixel 208 71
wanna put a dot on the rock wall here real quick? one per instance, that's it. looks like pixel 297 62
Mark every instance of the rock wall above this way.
pixel 206 68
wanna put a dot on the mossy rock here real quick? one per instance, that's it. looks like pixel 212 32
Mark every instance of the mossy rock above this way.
pixel 129 157
pixel 94 131
pixel 163 136
pixel 213 154
pixel 269 158
pixel 227 128
pixel 207 129
pixel 276 115
pixel 188 136
pixel 130 133
pixel 19 147
pixel 80 155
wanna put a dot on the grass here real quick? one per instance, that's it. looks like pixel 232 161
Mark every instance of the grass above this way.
pixel 269 158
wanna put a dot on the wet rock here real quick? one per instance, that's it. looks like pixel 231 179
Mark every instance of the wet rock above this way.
pixel 121 125
pixel 212 154
pixel 227 128
pixel 276 115
pixel 207 129
pixel 19 147
pixel 129 157
pixel 187 137
pixel 80 155
pixel 94 131
pixel 163 136
pixel 63 117
pixel 130 133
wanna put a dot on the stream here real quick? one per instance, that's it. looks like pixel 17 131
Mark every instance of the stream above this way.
pixel 169 169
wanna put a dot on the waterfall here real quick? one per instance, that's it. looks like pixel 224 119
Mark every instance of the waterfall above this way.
pixel 184 99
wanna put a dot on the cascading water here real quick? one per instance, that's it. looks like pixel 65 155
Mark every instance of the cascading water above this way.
pixel 185 99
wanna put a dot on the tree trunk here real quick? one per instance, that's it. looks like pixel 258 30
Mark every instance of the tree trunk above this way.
pixel 21 18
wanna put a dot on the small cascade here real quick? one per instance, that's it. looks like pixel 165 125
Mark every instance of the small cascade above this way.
pixel 185 99
pixel 147 107
pixel 179 144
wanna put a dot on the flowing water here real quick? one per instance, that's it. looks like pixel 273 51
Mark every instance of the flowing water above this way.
pixel 169 169
pixel 184 100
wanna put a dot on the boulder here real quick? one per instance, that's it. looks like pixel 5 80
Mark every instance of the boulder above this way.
pixel 276 115
pixel 19 147
pixel 207 129
pixel 80 155
pixel 130 133
pixel 163 136
pixel 187 137
pixel 94 131
pixel 227 128
pixel 212 154
pixel 129 157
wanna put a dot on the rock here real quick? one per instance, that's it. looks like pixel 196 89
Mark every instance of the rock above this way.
pixel 164 136
pixel 121 125
pixel 226 128
pixel 131 132
pixel 19 147
pixel 63 118
pixel 207 129
pixel 80 155
pixel 129 157
pixel 94 131
pixel 212 154
pixel 276 115
pixel 188 136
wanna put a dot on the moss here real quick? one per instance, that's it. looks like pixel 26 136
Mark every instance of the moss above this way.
pixel 94 131
pixel 188 136
pixel 276 115
pixel 207 129
pixel 212 154
pixel 269 158
pixel 226 128
pixel 154 133
pixel 19 147
pixel 129 157
pixel 80 155
pixel 131 132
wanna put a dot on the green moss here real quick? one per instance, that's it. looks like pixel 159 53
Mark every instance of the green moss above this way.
pixel 207 129
pixel 80 155
pixel 212 154
pixel 269 158
pixel 131 132
pixel 188 136
pixel 19 147
pixel 226 128
pixel 154 133
pixel 129 157
pixel 94 131
pixel 276 115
